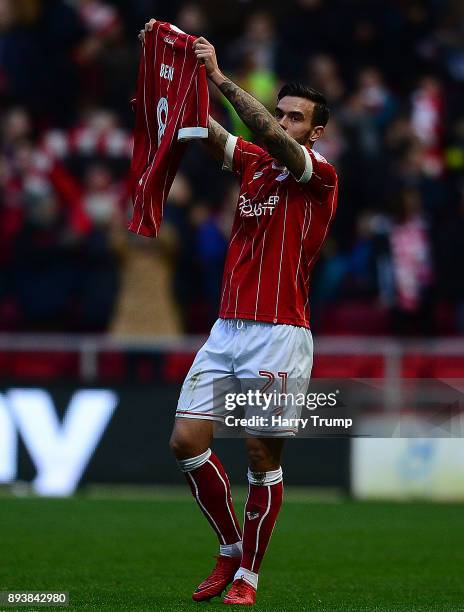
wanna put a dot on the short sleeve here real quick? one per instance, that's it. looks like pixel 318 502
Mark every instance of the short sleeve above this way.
pixel 195 120
pixel 239 154
pixel 319 177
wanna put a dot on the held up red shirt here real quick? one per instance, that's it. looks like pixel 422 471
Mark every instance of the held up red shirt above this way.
pixel 172 106
pixel 279 228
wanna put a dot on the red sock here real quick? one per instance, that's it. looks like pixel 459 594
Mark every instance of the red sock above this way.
pixel 210 487
pixel 261 510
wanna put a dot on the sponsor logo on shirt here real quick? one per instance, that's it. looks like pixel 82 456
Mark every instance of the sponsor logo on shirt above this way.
pixel 168 40
pixel 257 209
pixel 257 175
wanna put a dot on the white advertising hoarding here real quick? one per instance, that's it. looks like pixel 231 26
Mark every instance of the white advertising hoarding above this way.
pixel 60 451
pixel 408 468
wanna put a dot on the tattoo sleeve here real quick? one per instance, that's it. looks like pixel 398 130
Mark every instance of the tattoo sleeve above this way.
pixel 263 124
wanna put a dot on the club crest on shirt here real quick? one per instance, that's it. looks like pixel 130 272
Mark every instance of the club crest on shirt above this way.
pixel 257 209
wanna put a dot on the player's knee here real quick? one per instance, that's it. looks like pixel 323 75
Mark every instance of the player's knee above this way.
pixel 190 437
pixel 182 446
pixel 258 456
pixel 176 444
pixel 263 457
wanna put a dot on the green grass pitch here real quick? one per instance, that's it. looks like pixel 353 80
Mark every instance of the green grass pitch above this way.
pixel 149 554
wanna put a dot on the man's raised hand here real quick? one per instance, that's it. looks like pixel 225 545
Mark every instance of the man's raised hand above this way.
pixel 148 28
pixel 205 51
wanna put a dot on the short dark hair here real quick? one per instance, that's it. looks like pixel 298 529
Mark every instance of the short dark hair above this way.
pixel 300 90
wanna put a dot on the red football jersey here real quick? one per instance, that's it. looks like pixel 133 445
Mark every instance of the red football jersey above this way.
pixel 279 228
pixel 172 106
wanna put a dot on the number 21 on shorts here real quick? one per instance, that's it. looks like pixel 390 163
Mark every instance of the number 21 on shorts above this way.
pixel 271 380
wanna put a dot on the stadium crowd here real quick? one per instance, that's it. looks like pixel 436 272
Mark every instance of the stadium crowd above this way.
pixel 393 74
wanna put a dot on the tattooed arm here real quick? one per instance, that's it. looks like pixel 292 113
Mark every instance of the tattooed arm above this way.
pixel 260 121
pixel 217 138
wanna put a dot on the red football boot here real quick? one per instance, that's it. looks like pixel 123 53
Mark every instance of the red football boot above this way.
pixel 220 577
pixel 241 593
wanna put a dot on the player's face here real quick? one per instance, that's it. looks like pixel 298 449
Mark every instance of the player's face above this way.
pixel 295 117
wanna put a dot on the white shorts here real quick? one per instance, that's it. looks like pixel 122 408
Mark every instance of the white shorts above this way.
pixel 240 355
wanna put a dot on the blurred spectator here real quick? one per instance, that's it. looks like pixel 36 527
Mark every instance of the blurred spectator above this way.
pixel 100 19
pixel 376 100
pixel 258 42
pixel 177 240
pixel 253 57
pixel 192 19
pixel 323 74
pixel 333 145
pixel 27 171
pixel 212 233
pixel 427 122
pixel 102 198
pixel 412 266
